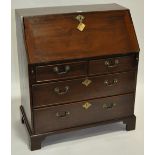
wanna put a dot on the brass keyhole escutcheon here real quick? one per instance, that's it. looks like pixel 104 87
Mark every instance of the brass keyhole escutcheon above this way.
pixel 86 82
pixel 86 105
pixel 81 25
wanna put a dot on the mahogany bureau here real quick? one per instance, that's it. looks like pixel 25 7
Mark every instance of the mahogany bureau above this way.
pixel 78 68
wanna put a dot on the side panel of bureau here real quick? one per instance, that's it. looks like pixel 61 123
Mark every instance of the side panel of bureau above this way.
pixel 76 114
pixel 23 70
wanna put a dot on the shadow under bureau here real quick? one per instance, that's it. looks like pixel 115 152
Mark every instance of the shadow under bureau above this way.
pixel 78 68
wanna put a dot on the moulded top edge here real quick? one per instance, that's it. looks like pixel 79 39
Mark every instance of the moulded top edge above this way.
pixel 68 9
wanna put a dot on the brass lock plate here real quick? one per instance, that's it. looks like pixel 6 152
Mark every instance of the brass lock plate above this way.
pixel 86 105
pixel 81 26
pixel 86 82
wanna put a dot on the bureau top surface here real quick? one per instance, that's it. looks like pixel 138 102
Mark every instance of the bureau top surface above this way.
pixel 67 9
pixel 51 34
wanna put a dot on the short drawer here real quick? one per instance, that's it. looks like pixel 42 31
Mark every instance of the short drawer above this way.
pixel 60 71
pixel 82 113
pixel 82 89
pixel 113 64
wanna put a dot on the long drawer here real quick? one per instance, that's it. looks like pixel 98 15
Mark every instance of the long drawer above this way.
pixel 82 113
pixel 83 89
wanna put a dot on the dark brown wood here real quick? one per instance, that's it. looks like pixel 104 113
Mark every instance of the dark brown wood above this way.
pixel 61 71
pixel 66 116
pixel 113 64
pixel 130 123
pixel 44 94
pixel 22 115
pixel 44 34
pixel 24 72
pixel 35 140
pixel 40 137
pixel 74 80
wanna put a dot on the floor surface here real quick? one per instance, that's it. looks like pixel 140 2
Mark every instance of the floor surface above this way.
pixel 110 139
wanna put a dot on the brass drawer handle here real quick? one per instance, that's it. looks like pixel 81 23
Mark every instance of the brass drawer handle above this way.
pixel 108 83
pixel 57 70
pixel 109 64
pixel 61 92
pixel 109 105
pixel 64 114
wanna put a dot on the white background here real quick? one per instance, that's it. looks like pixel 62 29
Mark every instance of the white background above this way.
pixel 103 140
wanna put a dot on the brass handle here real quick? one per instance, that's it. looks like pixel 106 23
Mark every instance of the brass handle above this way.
pixel 61 92
pixel 109 64
pixel 62 114
pixel 109 83
pixel 57 70
pixel 109 105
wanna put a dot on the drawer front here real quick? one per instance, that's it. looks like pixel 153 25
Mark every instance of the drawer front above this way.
pixel 60 71
pixel 83 89
pixel 81 113
pixel 111 65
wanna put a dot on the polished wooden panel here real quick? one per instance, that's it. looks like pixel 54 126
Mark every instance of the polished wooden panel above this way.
pixel 65 70
pixel 47 119
pixel 56 99
pixel 75 90
pixel 36 139
pixel 55 37
pixel 113 64
pixel 23 72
